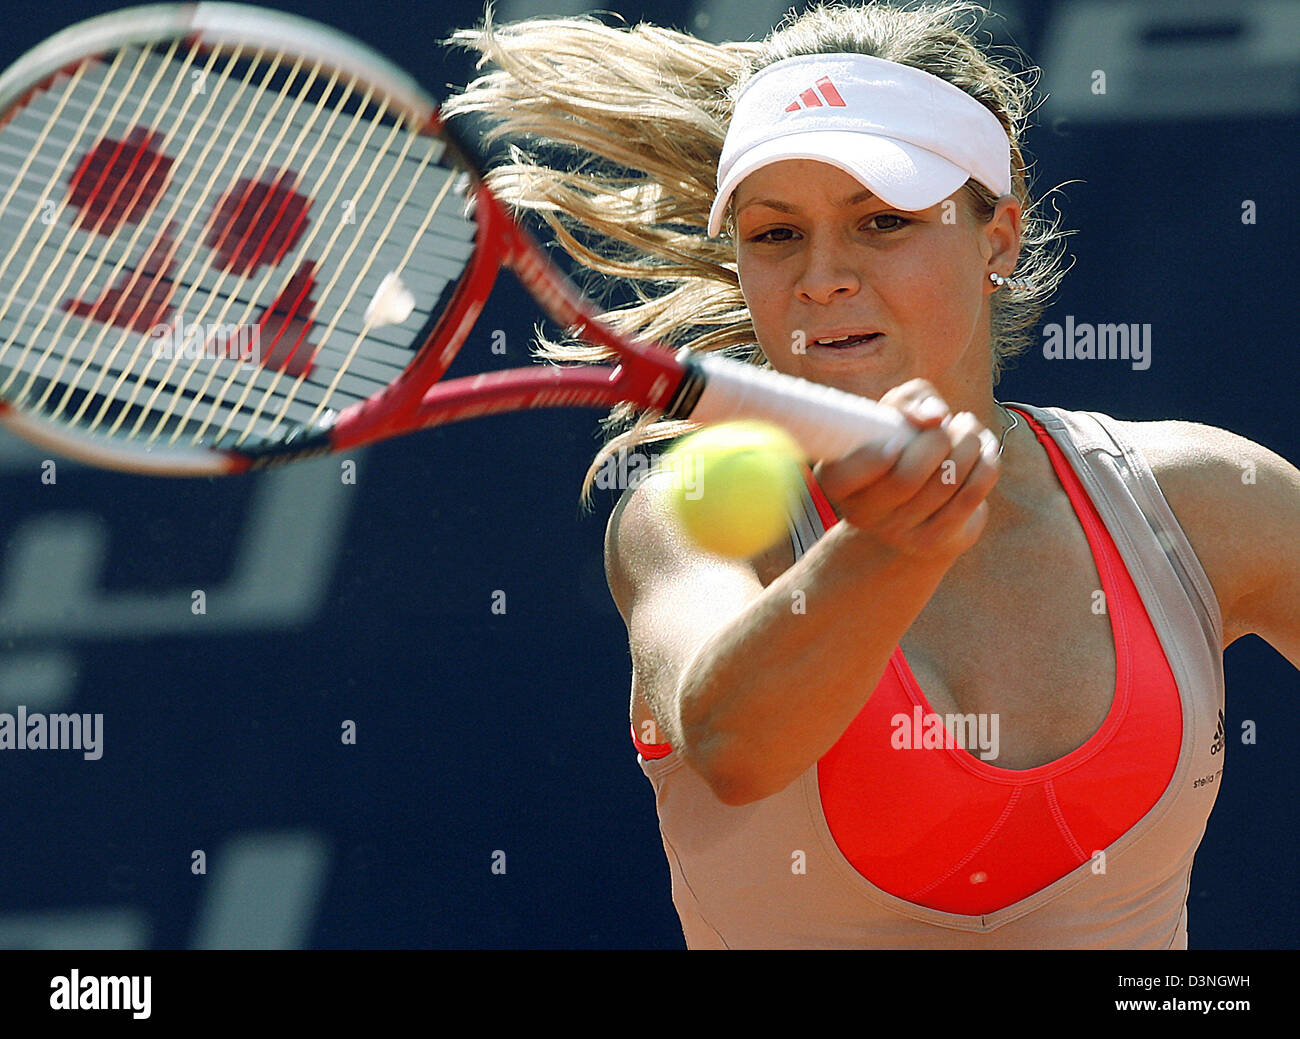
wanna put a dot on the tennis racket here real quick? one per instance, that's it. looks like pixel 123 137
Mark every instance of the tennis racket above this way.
pixel 231 238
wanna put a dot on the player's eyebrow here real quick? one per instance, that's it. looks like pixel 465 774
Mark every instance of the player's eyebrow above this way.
pixel 786 207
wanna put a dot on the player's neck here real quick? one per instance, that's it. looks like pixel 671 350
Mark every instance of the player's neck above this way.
pixel 1027 480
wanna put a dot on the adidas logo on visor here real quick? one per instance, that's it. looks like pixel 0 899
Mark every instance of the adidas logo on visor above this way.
pixel 912 137
pixel 821 93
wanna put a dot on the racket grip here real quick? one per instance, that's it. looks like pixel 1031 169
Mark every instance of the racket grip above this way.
pixel 828 423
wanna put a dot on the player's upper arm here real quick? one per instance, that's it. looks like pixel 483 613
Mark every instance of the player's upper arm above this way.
pixel 1270 607
pixel 1239 504
pixel 672 595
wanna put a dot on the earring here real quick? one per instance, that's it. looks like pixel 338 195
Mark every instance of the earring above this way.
pixel 1011 283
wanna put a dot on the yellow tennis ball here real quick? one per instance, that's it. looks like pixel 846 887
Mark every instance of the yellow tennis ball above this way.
pixel 733 485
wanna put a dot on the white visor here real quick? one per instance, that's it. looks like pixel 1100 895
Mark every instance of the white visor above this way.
pixel 908 136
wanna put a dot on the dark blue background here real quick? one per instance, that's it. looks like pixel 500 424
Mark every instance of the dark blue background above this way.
pixel 480 732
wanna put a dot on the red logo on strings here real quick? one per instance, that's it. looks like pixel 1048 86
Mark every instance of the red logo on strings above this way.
pixel 821 93
pixel 254 224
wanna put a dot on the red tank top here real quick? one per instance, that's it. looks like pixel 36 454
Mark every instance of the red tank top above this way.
pixel 937 826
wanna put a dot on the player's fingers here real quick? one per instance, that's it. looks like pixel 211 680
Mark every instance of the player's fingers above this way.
pixel 919 401
pixel 868 502
pixel 893 479
pixel 921 405
pixel 966 446
pixel 922 506
pixel 959 524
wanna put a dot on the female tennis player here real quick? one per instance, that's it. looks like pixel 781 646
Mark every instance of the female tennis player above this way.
pixel 976 700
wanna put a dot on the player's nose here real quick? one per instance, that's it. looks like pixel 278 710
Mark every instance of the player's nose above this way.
pixel 827 276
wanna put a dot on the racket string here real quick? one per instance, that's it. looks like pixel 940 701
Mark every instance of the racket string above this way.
pixel 161 264
pixel 33 253
pixel 351 292
pixel 166 414
pixel 218 398
pixel 372 371
pixel 31 155
pixel 100 211
pixel 115 318
pixel 257 411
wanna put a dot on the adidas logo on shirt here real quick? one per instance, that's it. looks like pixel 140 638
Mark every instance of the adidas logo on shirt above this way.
pixel 819 95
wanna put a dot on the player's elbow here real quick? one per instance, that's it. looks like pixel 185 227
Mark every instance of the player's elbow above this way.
pixel 737 792
pixel 732 787
pixel 743 786
pixel 734 774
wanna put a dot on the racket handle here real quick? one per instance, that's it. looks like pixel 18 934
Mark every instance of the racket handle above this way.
pixel 828 423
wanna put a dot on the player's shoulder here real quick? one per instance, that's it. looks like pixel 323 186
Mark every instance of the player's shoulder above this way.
pixel 641 537
pixel 1237 501
pixel 646 549
pixel 1198 460
pixel 1211 476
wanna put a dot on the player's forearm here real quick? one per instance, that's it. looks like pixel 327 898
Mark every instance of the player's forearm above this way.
pixel 772 691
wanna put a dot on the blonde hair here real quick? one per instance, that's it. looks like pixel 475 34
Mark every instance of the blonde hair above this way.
pixel 615 136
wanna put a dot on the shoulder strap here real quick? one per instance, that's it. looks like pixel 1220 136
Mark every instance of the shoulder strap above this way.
pixel 803 521
pixel 1135 511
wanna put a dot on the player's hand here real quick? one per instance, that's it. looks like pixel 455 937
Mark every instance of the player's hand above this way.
pixel 930 500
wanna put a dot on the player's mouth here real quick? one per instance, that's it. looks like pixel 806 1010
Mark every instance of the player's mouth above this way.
pixel 845 340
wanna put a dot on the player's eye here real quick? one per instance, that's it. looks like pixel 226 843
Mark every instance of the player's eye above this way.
pixel 774 236
pixel 898 221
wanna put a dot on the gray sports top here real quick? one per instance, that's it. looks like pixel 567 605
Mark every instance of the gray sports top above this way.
pixel 734 881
